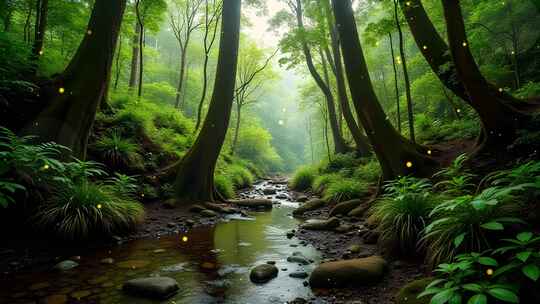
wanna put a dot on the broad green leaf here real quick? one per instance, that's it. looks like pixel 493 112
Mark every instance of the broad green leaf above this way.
pixel 525 236
pixel 488 261
pixel 492 226
pixel 459 239
pixel 524 256
pixel 531 271
pixel 473 287
pixel 504 295
pixel 478 299
pixel 442 297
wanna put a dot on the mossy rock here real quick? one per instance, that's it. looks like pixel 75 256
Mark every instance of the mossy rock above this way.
pixel 409 293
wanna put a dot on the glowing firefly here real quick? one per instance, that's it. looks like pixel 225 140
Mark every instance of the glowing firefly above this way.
pixel 61 90
pixel 489 271
pixel 409 164
pixel 184 239
pixel 99 206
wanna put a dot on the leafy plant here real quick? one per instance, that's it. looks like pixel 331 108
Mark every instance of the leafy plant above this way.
pixel 406 185
pixel 303 178
pixel 7 190
pixel 456 180
pixel 224 186
pixel 369 172
pixel 118 151
pixel 344 190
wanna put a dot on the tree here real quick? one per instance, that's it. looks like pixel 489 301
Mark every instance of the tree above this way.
pixel 211 22
pixel 195 178
pixel 74 96
pixel 360 140
pixel 248 82
pixel 397 156
pixel 42 7
pixel 134 70
pixel 183 23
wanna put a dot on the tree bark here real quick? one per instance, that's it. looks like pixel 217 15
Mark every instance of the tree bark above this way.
pixel 397 156
pixel 118 68
pixel 195 178
pixel 237 127
pixel 339 143
pixel 410 111
pixel 74 96
pixel 180 86
pixel 141 46
pixel 396 86
pixel 500 120
pixel 42 8
pixel 134 72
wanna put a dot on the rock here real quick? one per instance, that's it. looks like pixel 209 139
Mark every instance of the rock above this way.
pixel 282 196
pixel 208 213
pixel 345 207
pixel 253 203
pixel 269 191
pixel 66 265
pixel 263 273
pixel 346 273
pixel 298 301
pixel 344 228
pixel 171 225
pixel 318 224
pixel 190 222
pixel 196 208
pixel 219 208
pixel 372 222
pixel 309 206
pixel 299 274
pixel 290 234
pixel 298 260
pixel 371 237
pixel 108 261
pixel 359 211
pixel 354 248
pixel 153 287
pixel 409 293
pixel 302 199
pixel 271 262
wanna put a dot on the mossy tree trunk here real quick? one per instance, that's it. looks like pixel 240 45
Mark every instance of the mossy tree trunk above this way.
pixel 339 143
pixel 134 70
pixel 195 178
pixel 500 120
pixel 397 156
pixel 396 85
pixel 75 95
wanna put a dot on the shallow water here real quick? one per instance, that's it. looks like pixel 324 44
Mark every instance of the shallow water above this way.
pixel 211 265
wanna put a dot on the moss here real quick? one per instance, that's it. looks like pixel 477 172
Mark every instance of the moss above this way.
pixel 409 293
pixel 224 186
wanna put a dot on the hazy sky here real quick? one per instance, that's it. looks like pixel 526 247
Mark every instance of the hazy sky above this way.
pixel 259 24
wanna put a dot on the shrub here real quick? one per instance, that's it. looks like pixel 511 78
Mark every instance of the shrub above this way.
pixel 240 176
pixel 406 185
pixel 341 161
pixel 321 182
pixel 402 220
pixel 463 224
pixel 173 120
pixel 344 190
pixel 119 152
pixel 87 209
pixel 369 172
pixel 456 179
pixel 224 186
pixel 303 178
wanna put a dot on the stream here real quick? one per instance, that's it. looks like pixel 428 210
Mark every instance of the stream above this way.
pixel 211 264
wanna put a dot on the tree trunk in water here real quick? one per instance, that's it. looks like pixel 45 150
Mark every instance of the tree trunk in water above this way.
pixel 339 143
pixel 397 156
pixel 410 111
pixel 77 93
pixel 195 179
pixel 41 27
pixel 396 86
pixel 237 127
pixel 134 73
pixel 500 120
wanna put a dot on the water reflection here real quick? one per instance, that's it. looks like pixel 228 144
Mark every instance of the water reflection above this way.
pixel 211 265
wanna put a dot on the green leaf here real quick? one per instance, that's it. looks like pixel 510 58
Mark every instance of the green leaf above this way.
pixel 524 256
pixel 459 239
pixel 488 261
pixel 525 236
pixel 473 287
pixel 531 271
pixel 442 297
pixel 478 299
pixel 456 299
pixel 492 226
pixel 504 295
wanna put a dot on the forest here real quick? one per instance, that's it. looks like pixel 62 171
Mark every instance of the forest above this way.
pixel 269 151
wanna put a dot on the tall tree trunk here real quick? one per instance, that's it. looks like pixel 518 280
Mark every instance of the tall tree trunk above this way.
pixel 195 178
pixel 237 127
pixel 396 86
pixel 42 9
pixel 118 68
pixel 397 156
pixel 179 90
pixel 141 49
pixel 75 95
pixel 410 111
pixel 26 30
pixel 339 143
pixel 134 71
pixel 500 120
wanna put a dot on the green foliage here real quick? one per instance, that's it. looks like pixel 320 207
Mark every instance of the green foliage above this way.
pixel 344 190
pixel 368 172
pixel 321 182
pixel 406 185
pixel 7 191
pixel 303 178
pixel 14 59
pixel 240 176
pixel 224 186
pixel 119 152
pixel 254 145
pixel 342 161
pixel 456 179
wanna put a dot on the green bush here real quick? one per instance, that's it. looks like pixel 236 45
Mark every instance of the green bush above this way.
pixel 402 220
pixel 224 186
pixel 344 190
pixel 119 152
pixel 321 182
pixel 369 172
pixel 303 178
pixel 456 179
pixel 173 120
pixel 342 161
pixel 87 209
pixel 240 176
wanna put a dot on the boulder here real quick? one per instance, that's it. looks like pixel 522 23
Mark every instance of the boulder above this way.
pixel 354 248
pixel 298 258
pixel 160 288
pixel 253 203
pixel 66 265
pixel 298 275
pixel 359 210
pixel 269 191
pixel 349 273
pixel 318 224
pixel 409 293
pixel 208 213
pixel 263 273
pixel 196 208
pixel 302 199
pixel 344 228
pixel 309 206
pixel 345 207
